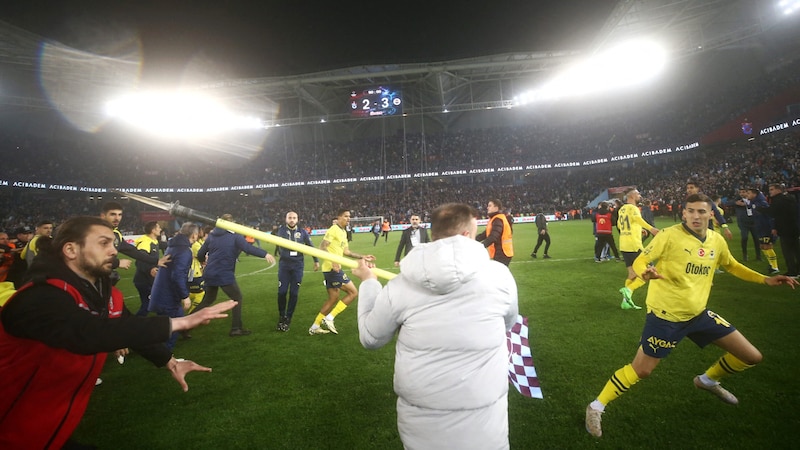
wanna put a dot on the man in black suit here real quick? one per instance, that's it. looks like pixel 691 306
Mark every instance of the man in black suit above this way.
pixel 412 236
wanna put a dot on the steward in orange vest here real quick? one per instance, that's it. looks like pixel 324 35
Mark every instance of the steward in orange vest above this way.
pixel 497 236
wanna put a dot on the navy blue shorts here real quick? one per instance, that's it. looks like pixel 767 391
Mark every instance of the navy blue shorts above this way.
pixel 630 257
pixel 335 280
pixel 660 336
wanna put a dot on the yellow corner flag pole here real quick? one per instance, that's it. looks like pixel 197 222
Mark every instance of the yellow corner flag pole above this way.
pixel 182 211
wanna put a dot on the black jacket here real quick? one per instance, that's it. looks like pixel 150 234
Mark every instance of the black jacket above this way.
pixel 405 241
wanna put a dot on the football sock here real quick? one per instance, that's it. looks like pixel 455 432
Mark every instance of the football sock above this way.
pixel 339 308
pixel 726 365
pixel 772 258
pixel 618 384
pixel 634 284
pixel 318 320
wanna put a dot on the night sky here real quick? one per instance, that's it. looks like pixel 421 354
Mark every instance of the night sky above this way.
pixel 289 37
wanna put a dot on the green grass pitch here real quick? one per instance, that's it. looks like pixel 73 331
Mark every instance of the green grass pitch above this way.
pixel 291 390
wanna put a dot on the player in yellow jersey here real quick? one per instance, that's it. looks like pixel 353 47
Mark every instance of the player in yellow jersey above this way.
pixel 630 224
pixel 335 242
pixel 196 283
pixel 685 257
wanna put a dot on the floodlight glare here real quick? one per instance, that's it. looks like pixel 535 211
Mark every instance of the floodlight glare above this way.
pixel 625 65
pixel 178 114
pixel 789 6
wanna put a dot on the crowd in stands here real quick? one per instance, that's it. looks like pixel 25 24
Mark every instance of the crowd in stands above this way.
pixel 662 180
pixel 565 135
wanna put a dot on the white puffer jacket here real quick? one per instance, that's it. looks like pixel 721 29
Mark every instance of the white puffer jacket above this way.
pixel 453 306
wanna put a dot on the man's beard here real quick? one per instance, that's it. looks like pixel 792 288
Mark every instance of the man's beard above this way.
pixel 97 271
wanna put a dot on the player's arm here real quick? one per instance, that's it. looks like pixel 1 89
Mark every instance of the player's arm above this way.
pixel 131 251
pixel 642 264
pixel 643 223
pixel 355 255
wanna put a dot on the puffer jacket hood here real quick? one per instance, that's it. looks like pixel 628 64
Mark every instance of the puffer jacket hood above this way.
pixel 446 264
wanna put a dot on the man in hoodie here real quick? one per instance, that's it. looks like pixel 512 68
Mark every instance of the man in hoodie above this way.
pixel 170 294
pixel 453 275
pixel 223 248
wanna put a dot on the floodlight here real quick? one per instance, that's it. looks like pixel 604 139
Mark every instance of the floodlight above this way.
pixel 625 65
pixel 178 114
pixel 789 6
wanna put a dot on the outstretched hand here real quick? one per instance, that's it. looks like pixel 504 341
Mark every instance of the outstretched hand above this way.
pixel 363 270
pixel 180 367
pixel 202 317
pixel 162 262
pixel 777 280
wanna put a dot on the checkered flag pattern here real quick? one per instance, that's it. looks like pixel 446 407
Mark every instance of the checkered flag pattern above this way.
pixel 521 372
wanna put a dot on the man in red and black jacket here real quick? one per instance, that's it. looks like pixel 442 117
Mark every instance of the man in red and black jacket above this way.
pixel 604 224
pixel 56 331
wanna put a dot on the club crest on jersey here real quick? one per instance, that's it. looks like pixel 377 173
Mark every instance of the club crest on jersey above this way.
pixel 297 235
pixel 701 252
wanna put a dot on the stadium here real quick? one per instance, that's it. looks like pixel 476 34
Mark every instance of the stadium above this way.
pixel 545 131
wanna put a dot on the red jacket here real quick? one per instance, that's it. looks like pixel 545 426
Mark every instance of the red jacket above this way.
pixel 46 393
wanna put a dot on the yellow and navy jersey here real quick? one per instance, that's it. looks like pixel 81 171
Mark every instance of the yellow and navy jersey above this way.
pixel 630 224
pixel 687 265
pixel 197 268
pixel 146 244
pixel 337 243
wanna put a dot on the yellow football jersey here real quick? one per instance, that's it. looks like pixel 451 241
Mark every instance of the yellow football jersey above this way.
pixel 337 238
pixel 687 265
pixel 630 224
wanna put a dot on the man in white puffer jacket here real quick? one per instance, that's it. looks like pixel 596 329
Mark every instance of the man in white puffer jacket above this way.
pixel 453 306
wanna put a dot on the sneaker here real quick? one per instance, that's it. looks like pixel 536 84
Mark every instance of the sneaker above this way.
pixel 329 325
pixel 774 271
pixel 283 324
pixel 533 255
pixel 98 381
pixel 598 260
pixel 312 331
pixel 594 420
pixel 239 332
pixel 625 304
pixel 721 393
pixel 546 256
pixel 718 271
pixel 627 301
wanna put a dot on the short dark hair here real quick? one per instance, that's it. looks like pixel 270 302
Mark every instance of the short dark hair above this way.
pixel 150 226
pixel 451 219
pixel 340 213
pixel 75 230
pixel 44 222
pixel 109 206
pixel 694 198
pixel 778 186
pixel 496 202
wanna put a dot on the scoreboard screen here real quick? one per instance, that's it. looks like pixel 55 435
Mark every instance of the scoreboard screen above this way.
pixel 376 102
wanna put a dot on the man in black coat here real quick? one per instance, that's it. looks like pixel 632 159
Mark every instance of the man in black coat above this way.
pixel 411 237
pixel 783 209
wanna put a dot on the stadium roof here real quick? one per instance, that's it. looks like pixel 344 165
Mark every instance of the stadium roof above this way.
pixel 689 26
